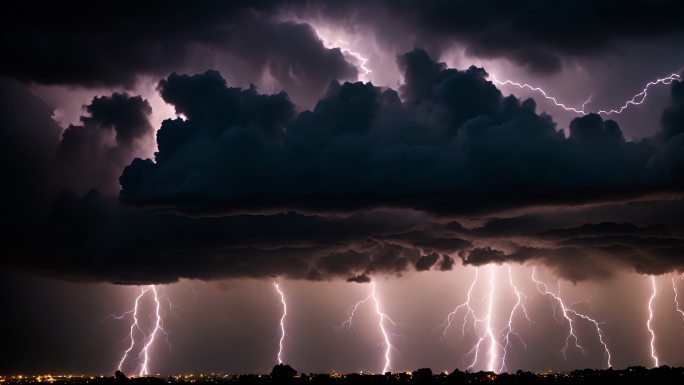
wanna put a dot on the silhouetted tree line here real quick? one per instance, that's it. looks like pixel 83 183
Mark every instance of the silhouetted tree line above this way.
pixel 285 375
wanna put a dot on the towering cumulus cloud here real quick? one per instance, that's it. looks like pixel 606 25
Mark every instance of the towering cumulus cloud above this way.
pixel 456 146
pixel 371 181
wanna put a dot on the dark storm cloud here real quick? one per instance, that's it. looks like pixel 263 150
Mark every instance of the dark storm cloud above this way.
pixel 27 147
pixel 498 227
pixel 571 263
pixel 100 45
pixel 87 238
pixel 363 278
pixel 426 262
pixel 359 160
pixel 292 53
pixel 578 243
pixel 443 245
pixel 343 263
pixel 534 35
pixel 207 96
pixel 481 256
pixel 426 240
pixel 624 240
pixel 457 146
pixel 389 261
pixel 116 131
pixel 41 159
pixel 159 37
pixel 672 119
pixel 583 252
pixel 605 228
pixel 447 263
pixel 546 228
pixel 670 162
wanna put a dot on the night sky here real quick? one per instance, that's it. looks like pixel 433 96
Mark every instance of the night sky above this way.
pixel 207 150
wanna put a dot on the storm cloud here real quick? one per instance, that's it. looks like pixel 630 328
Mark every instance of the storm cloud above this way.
pixel 456 146
pixel 160 37
pixel 200 152
pixel 373 181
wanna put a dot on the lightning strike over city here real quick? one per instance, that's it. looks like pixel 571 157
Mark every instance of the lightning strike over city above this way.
pixel 148 336
pixel 507 331
pixel 501 340
pixel 487 332
pixel 566 311
pixel 650 320
pixel 382 317
pixel 503 179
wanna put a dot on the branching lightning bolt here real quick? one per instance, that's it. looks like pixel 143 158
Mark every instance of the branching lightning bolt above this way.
pixel 351 311
pixel 348 325
pixel 282 324
pixel 650 319
pixel 487 333
pixel 674 286
pixel 636 99
pixel 507 331
pixel 358 56
pixel 157 326
pixel 450 317
pixel 134 325
pixel 559 302
pixel 148 339
pixel 566 310
pixel 383 316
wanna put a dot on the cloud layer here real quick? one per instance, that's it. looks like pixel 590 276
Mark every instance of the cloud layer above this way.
pixel 372 181
pixel 158 38
pixel 455 146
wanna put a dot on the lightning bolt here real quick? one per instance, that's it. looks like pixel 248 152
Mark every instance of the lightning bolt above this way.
pixel 148 339
pixel 650 319
pixel 282 324
pixel 599 332
pixel 572 336
pixel 356 55
pixel 487 332
pixel 636 99
pixel 134 326
pixel 382 317
pixel 674 286
pixel 507 331
pixel 469 311
pixel 157 326
pixel 351 311
pixel 559 302
pixel 450 317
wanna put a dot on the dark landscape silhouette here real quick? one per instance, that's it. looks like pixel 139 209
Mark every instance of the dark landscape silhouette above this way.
pixel 286 375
